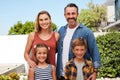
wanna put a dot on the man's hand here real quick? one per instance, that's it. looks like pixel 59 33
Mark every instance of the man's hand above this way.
pixel 92 76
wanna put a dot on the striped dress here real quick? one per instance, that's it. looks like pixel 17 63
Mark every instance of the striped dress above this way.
pixel 43 73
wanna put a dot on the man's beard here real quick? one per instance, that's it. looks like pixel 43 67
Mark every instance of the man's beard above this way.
pixel 70 19
pixel 73 23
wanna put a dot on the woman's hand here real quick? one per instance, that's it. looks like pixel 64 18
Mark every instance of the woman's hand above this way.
pixel 32 64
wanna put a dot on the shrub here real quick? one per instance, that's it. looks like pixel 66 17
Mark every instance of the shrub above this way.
pixel 11 76
pixel 5 77
pixel 109 47
pixel 14 76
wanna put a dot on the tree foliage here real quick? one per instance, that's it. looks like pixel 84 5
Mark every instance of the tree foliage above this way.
pixel 25 28
pixel 20 28
pixel 54 27
pixel 93 16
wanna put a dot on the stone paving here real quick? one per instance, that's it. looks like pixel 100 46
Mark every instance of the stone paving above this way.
pixel 7 68
pixel 109 79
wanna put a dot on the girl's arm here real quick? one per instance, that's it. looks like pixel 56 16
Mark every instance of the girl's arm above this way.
pixel 54 72
pixel 31 74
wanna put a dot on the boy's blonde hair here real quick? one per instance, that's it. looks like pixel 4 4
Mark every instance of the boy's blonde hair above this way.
pixel 79 42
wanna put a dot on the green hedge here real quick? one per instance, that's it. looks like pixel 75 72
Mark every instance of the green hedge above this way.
pixel 11 76
pixel 109 47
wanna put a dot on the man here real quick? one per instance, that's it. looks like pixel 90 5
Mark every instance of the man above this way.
pixel 68 33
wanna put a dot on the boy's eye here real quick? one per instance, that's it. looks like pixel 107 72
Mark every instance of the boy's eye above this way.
pixel 77 49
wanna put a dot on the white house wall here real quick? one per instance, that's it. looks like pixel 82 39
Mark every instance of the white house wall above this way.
pixel 110 13
pixel 12 48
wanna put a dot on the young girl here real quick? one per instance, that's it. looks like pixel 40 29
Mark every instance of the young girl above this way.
pixel 79 68
pixel 43 70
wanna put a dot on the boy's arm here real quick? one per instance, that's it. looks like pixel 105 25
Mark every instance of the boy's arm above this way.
pixel 66 72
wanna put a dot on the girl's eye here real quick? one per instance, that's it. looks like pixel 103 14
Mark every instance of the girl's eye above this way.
pixel 44 53
pixel 39 53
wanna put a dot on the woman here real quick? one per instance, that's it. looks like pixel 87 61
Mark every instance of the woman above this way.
pixel 42 34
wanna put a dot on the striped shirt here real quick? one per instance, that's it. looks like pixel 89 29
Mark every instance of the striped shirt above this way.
pixel 43 73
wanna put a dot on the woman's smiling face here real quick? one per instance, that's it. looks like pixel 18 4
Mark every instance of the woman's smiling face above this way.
pixel 44 21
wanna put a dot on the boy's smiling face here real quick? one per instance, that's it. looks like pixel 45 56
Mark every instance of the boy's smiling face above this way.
pixel 79 51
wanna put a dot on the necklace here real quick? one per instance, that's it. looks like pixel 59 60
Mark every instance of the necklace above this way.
pixel 45 36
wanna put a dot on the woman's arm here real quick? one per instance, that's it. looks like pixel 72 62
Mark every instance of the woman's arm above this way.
pixel 57 36
pixel 28 49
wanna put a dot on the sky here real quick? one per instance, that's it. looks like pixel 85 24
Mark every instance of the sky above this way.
pixel 12 11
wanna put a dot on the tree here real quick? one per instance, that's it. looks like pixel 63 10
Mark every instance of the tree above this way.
pixel 93 16
pixel 25 28
pixel 20 28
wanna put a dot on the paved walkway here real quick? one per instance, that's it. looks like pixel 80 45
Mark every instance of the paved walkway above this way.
pixel 109 79
pixel 6 68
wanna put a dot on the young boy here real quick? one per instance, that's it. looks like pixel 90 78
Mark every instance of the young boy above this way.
pixel 78 68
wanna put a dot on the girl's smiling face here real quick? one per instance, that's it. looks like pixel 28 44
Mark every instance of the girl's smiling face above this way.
pixel 41 54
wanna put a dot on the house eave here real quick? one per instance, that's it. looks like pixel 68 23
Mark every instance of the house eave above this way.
pixel 111 25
